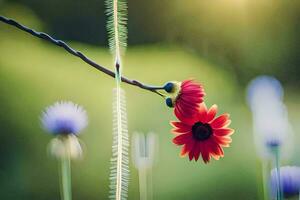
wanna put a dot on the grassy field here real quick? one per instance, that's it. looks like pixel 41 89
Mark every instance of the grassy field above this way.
pixel 34 74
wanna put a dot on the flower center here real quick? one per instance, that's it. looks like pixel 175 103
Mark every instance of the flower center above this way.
pixel 201 131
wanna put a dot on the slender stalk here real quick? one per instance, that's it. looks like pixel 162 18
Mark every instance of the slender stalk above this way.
pixel 265 172
pixel 118 77
pixel 144 150
pixel 150 184
pixel 119 118
pixel 279 195
pixel 66 178
pixel 120 146
pixel 143 183
pixel 78 54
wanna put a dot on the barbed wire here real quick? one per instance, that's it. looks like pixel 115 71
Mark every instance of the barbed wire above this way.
pixel 78 54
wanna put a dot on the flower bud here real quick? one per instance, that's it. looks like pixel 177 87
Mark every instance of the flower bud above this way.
pixel 65 146
pixel 172 87
pixel 170 102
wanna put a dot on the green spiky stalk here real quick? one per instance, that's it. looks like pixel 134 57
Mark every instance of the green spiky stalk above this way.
pixel 116 27
pixel 119 171
pixel 117 31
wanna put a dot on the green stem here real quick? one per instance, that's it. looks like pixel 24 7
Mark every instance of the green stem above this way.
pixel 277 168
pixel 66 178
pixel 265 172
pixel 150 184
pixel 143 183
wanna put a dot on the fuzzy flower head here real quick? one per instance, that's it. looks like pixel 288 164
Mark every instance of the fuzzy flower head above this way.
pixel 185 96
pixel 64 118
pixel 270 120
pixel 289 181
pixel 203 134
pixel 262 89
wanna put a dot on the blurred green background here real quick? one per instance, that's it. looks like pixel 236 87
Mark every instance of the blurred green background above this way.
pixel 222 43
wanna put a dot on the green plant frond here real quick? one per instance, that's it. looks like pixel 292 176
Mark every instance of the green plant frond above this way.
pixel 116 26
pixel 119 170
pixel 117 39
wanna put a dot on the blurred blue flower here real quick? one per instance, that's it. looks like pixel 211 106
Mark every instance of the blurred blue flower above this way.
pixel 262 89
pixel 270 119
pixel 290 181
pixel 64 118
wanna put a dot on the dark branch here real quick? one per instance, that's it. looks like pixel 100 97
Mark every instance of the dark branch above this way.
pixel 76 53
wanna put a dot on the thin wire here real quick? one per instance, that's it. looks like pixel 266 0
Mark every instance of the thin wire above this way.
pixel 76 53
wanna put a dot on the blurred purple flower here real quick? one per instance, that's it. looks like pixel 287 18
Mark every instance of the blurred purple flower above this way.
pixel 290 181
pixel 262 89
pixel 270 118
pixel 64 118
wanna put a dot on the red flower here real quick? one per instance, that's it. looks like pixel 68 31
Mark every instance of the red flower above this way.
pixel 188 95
pixel 202 133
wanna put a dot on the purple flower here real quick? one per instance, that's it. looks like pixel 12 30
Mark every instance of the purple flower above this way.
pixel 262 89
pixel 64 118
pixel 290 181
pixel 270 118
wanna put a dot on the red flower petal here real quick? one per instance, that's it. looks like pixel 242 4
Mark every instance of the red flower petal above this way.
pixel 186 82
pixel 223 141
pixel 191 153
pixel 202 112
pixel 187 108
pixel 182 139
pixel 187 120
pixel 184 150
pixel 197 151
pixel 216 149
pixel 204 153
pixel 210 147
pixel 189 83
pixel 190 96
pixel 220 121
pixel 211 113
pixel 187 147
pixel 227 124
pixel 223 132
pixel 180 127
pixel 189 89
pixel 216 157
